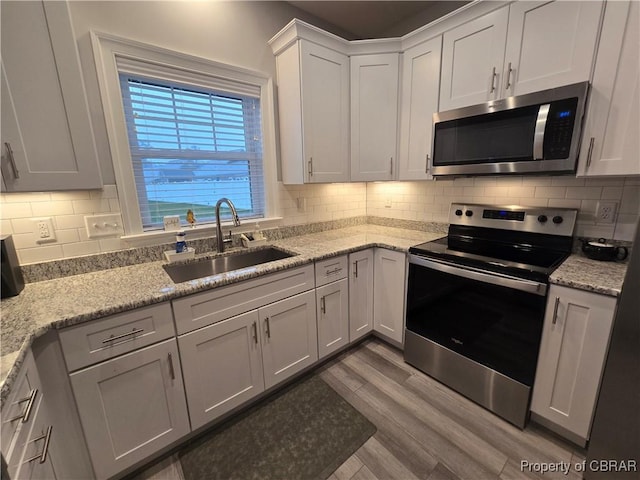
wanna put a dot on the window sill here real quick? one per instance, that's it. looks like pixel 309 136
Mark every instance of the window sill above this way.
pixel 204 230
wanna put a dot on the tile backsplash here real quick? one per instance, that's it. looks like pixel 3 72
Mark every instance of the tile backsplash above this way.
pixel 429 201
pixel 300 204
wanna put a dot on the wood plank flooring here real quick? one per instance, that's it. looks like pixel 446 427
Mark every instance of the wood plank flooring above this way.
pixel 425 430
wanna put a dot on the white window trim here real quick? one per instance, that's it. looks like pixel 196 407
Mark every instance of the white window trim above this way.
pixel 106 49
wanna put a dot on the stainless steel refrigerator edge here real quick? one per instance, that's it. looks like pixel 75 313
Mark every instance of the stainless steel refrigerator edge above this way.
pixel 615 435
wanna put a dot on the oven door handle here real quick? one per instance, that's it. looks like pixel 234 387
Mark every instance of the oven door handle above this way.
pixel 493 278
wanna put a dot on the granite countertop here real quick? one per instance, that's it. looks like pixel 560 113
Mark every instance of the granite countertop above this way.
pixel 580 272
pixel 67 301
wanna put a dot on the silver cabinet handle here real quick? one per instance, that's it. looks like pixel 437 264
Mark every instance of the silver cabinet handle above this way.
pixel 172 372
pixel 391 166
pixel 24 416
pixel 266 321
pixel 493 80
pixel 426 163
pixel 538 134
pixel 12 160
pixel 590 152
pixel 555 311
pixel 355 269
pixel 310 166
pixel 135 331
pixel 42 457
pixel 332 272
pixel 255 333
pixel 509 70
pixel 323 307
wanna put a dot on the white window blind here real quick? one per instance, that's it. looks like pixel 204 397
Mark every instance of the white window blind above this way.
pixel 193 143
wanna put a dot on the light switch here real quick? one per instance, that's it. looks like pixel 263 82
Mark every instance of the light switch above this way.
pixel 104 225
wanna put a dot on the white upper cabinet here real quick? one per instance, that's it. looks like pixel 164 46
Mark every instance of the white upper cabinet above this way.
pixel 420 88
pixel 374 117
pixel 549 44
pixel 313 100
pixel 611 142
pixel 522 48
pixel 472 57
pixel 47 138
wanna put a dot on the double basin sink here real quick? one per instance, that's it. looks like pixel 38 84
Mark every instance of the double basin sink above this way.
pixel 183 272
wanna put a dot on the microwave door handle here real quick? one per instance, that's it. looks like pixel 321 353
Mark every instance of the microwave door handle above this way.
pixel 538 135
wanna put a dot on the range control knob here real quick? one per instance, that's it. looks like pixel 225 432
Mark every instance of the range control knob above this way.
pixel 542 218
pixel 459 213
pixel 468 213
pixel 557 219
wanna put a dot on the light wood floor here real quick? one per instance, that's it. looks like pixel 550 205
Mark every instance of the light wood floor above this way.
pixel 425 430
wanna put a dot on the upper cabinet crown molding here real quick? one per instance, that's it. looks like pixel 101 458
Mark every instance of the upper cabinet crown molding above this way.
pixel 47 136
pixel 297 29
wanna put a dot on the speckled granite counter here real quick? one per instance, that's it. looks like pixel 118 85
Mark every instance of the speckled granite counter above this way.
pixel 580 272
pixel 75 299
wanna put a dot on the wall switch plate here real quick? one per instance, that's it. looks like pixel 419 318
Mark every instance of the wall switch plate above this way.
pixel 606 211
pixel 387 202
pixel 103 225
pixel 171 222
pixel 301 204
pixel 43 230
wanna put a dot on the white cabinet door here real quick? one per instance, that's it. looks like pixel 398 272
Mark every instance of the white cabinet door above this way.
pixel 611 142
pixel 360 293
pixel 222 366
pixel 47 138
pixel 332 303
pixel 472 59
pixel 374 116
pixel 289 337
pixel 313 104
pixel 389 294
pixel 573 350
pixel 549 44
pixel 420 92
pixel 131 406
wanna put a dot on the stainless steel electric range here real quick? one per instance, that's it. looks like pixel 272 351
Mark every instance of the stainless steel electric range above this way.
pixel 476 300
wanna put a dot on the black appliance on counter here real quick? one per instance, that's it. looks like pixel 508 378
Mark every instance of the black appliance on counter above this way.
pixel 476 301
pixel 12 280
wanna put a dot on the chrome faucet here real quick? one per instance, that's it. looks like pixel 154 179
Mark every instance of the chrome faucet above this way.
pixel 236 221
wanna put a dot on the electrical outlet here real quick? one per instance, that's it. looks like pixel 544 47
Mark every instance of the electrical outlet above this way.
pixel 44 231
pixel 388 202
pixel 301 203
pixel 606 211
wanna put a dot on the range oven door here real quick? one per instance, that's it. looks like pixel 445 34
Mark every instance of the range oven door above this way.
pixel 476 331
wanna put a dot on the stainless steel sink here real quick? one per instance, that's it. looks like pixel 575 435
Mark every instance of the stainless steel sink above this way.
pixel 184 272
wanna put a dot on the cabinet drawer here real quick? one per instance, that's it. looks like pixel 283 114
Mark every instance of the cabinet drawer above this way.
pixel 19 409
pixel 202 309
pixel 108 337
pixel 330 270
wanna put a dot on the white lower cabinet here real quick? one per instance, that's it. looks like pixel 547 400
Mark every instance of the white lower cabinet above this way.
pixel 389 294
pixel 222 366
pixel 360 294
pixel 230 362
pixel 332 305
pixel 131 406
pixel 290 339
pixel 575 339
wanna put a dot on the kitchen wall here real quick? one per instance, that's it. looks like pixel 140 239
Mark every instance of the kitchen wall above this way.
pixel 429 201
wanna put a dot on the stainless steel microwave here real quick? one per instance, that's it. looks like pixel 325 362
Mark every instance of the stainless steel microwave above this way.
pixel 533 133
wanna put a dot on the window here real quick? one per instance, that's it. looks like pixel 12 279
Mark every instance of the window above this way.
pixel 184 132
pixel 190 147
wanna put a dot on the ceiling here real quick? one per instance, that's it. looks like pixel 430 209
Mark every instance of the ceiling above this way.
pixel 377 19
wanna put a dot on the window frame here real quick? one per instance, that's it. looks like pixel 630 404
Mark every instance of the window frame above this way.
pixel 170 66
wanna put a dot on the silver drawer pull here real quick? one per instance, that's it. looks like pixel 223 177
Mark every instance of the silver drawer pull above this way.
pixel 12 160
pixel 24 416
pixel 334 271
pixel 555 311
pixel 42 457
pixel 135 331
pixel 172 372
